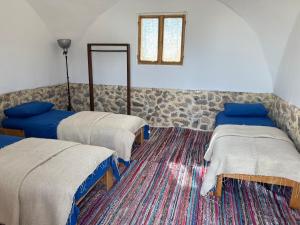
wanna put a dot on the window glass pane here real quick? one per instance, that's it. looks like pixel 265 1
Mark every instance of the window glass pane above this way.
pixel 149 39
pixel 172 39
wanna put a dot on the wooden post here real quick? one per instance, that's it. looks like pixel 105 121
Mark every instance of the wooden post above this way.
pixel 295 198
pixel 109 180
pixel 140 137
pixel 90 50
pixel 91 79
pixel 128 80
pixel 218 192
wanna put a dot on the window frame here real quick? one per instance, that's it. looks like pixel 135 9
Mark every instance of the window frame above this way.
pixel 161 19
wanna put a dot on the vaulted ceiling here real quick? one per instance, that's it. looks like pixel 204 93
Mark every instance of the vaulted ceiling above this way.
pixel 69 18
pixel 273 21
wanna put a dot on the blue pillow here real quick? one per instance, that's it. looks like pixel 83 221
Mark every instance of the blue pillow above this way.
pixel 248 110
pixel 28 109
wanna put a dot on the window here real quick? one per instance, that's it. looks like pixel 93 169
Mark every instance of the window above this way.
pixel 161 39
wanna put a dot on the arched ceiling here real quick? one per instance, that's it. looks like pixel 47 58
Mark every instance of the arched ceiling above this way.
pixel 69 18
pixel 272 20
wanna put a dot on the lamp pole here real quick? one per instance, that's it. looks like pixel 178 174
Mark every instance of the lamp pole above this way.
pixel 68 81
pixel 65 45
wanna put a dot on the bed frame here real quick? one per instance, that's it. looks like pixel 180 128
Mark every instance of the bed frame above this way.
pixel 295 198
pixel 12 132
pixel 139 136
pixel 107 179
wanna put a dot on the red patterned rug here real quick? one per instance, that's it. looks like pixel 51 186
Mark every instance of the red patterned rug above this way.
pixel 162 186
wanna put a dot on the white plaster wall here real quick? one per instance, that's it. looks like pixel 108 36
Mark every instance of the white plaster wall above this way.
pixel 29 56
pixel 287 85
pixel 69 18
pixel 273 22
pixel 222 52
pixel 236 46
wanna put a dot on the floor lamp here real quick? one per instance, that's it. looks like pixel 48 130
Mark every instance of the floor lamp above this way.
pixel 65 45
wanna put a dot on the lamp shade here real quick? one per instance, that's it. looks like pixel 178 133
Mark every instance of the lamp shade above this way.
pixel 64 43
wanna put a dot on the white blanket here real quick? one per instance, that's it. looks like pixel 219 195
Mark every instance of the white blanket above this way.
pixel 40 177
pixel 250 150
pixel 113 131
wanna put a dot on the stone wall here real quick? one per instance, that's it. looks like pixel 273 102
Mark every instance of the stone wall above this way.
pixel 55 94
pixel 189 109
pixel 165 107
pixel 287 117
pixel 161 107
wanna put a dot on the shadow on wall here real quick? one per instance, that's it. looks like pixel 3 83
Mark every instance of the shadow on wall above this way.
pixel 287 118
pixel 288 79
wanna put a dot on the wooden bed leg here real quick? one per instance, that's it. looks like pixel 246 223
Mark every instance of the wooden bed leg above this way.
pixel 121 165
pixel 218 192
pixel 109 180
pixel 295 198
pixel 140 137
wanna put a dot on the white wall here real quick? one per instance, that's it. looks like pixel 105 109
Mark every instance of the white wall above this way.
pixel 287 84
pixel 66 18
pixel 221 52
pixel 235 48
pixel 29 56
pixel 273 22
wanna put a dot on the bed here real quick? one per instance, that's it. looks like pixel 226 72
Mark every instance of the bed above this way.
pixel 254 152
pixel 246 145
pixel 45 184
pixel 114 131
pixel 41 126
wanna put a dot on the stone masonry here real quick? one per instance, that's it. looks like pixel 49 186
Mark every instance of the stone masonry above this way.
pixel 161 107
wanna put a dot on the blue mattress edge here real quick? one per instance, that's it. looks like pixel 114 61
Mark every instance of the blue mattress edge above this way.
pixel 8 140
pixel 41 126
pixel 88 184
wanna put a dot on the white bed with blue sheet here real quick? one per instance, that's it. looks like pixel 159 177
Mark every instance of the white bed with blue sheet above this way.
pixel 246 145
pixel 39 119
pixel 86 163
pixel 43 125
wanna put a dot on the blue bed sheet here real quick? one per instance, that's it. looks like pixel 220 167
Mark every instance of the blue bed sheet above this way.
pixel 40 126
pixel 86 185
pixel 45 125
pixel 222 119
pixel 8 140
